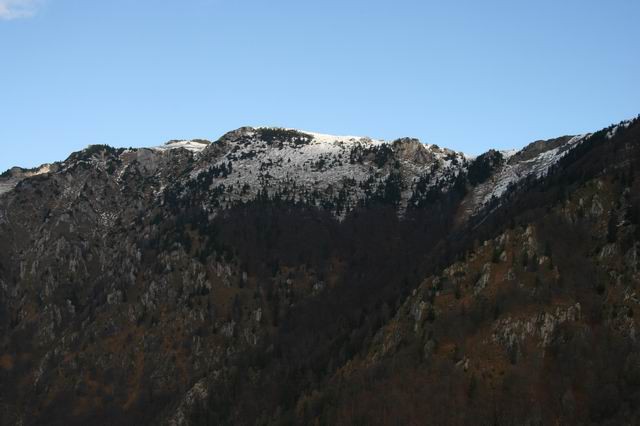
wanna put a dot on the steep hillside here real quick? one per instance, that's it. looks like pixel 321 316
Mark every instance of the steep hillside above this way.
pixel 279 276
pixel 535 325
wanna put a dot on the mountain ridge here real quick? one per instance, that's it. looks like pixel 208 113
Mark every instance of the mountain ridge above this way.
pixel 320 162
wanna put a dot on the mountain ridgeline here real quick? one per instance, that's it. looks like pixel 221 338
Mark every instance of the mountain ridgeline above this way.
pixel 276 276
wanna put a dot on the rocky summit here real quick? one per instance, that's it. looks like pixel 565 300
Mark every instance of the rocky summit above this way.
pixel 278 276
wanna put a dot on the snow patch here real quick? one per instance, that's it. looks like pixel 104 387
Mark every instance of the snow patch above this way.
pixel 325 138
pixel 190 145
pixel 512 173
pixel 508 153
pixel 623 124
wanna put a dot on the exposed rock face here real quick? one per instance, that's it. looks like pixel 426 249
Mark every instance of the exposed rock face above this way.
pixel 536 148
pixel 242 281
pixel 511 332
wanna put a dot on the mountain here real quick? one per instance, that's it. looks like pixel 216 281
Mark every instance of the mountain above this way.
pixel 277 276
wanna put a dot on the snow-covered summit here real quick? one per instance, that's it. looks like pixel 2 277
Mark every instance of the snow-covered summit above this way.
pixel 193 145
pixel 327 138
pixel 337 172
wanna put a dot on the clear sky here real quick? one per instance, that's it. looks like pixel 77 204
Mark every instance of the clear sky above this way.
pixel 466 74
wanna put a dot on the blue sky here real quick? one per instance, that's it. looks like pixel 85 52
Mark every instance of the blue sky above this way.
pixel 468 75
